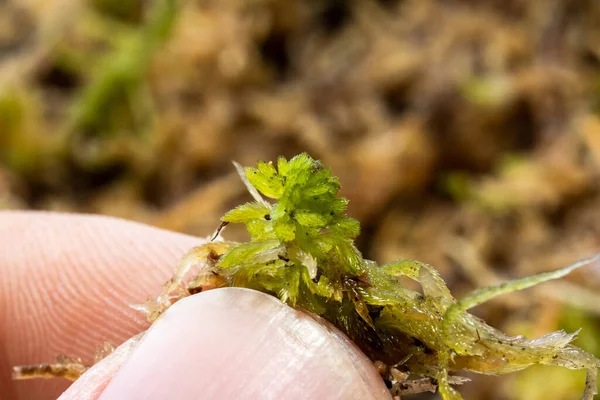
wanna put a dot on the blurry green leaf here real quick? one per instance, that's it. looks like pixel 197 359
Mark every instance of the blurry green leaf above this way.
pixel 247 212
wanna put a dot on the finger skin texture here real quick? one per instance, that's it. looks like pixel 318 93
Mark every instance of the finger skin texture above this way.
pixel 65 285
pixel 240 344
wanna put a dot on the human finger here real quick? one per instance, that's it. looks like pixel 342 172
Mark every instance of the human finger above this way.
pixel 65 285
pixel 241 344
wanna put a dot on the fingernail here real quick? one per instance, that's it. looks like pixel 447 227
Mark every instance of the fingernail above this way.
pixel 240 344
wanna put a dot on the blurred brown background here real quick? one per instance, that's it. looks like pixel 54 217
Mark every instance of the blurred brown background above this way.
pixel 466 133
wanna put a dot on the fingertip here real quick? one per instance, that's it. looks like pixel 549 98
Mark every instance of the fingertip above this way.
pixel 67 281
pixel 242 344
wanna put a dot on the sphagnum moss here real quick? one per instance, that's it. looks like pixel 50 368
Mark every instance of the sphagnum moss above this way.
pixel 302 251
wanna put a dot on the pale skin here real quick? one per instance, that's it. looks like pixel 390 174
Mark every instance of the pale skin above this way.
pixel 65 285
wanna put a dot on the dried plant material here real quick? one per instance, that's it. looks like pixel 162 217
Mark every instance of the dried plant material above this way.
pixel 64 367
pixel 102 352
pixel 302 251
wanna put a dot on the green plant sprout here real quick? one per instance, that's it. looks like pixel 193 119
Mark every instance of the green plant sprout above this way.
pixel 302 251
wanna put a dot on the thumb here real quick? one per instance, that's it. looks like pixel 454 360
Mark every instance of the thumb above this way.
pixel 240 344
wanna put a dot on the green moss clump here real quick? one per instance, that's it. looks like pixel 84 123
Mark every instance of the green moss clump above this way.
pixel 302 251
